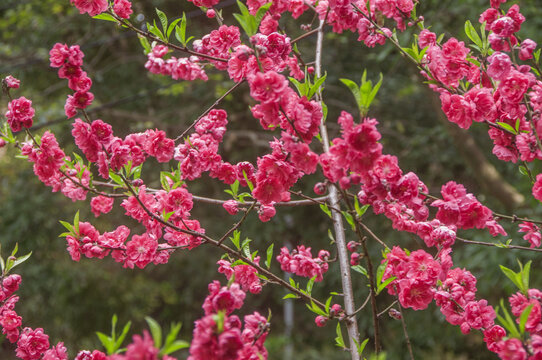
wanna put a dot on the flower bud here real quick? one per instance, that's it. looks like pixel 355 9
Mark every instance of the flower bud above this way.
pixel 319 188
pixel 211 13
pixel 355 258
pixel 320 320
pixel 352 246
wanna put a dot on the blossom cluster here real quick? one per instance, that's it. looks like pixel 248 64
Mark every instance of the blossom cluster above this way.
pixel 123 8
pixel 20 114
pixel 182 68
pixel 301 262
pixel 221 335
pixel 33 344
pixel 244 275
pixel 69 61
pixel 513 348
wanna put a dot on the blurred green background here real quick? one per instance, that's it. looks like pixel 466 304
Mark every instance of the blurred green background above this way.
pixel 73 300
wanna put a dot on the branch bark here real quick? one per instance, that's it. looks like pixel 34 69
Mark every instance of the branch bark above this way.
pixel 349 304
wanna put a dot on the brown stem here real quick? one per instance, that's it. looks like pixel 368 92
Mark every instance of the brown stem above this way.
pixel 208 110
pixel 501 246
pixel 158 40
pixel 403 322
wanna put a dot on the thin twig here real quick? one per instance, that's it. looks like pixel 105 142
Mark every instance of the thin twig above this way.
pixel 500 246
pixel 158 40
pixel 403 322
pixel 209 109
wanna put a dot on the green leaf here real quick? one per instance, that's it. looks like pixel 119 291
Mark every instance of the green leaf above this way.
pixel 536 55
pixel 524 317
pixel 290 296
pixel 316 309
pixel 245 247
pixel 236 238
pixel 107 342
pixel 339 340
pixel 373 92
pixel 269 255
pixel 325 209
pixel 21 260
pixel 515 277
pixel 163 20
pixel 317 84
pixel 361 346
pixel 171 27
pixel 68 226
pixel 328 303
pixel 380 271
pixel 116 178
pixel 106 17
pixel 472 34
pixel 310 284
pixel 302 88
pixel 507 127
pixel 145 43
pixel 176 346
pixel 354 89
pixel 76 222
pixel 153 29
pixel 360 269
pixel 171 339
pixel 525 273
pixel 180 31
pixel 350 219
pixel 164 181
pixel 507 321
pixel 156 331
pixel 383 285
pixel 118 342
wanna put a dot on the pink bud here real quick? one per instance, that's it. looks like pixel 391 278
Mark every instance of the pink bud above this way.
pixel 320 321
pixel 319 188
pixel 231 207
pixel 12 82
pixel 2 143
pixel 310 70
pixel 352 246
pixel 211 13
pixel 354 259
pixel 395 314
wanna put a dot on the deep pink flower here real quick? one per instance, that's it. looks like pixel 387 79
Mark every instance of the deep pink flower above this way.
pixel 532 233
pixel 80 83
pixel 512 349
pixel 20 114
pixel 101 205
pixel 527 48
pixel 301 263
pixel 123 8
pixel 142 348
pixel 537 188
pixel 82 99
pixel 267 87
pixel 12 82
pixel 493 336
pixel 426 38
pixel 32 344
pixel 58 352
pixel 92 7
pixel 231 207
pixel 140 250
